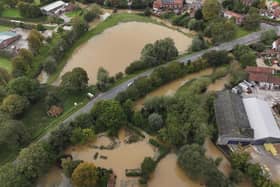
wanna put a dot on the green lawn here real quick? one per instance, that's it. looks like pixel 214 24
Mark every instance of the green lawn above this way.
pixel 4 28
pixel 241 32
pixel 37 2
pixel 11 13
pixel 6 64
pixel 74 13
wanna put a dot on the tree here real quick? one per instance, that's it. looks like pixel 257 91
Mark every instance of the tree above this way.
pixel 102 78
pixel 147 11
pixel 13 134
pixel 268 37
pixel 198 44
pixel 147 167
pixel 68 166
pixel 155 121
pixel 81 136
pixel 252 20
pixel 35 41
pixel 75 80
pixel 29 10
pixel 22 63
pixel 24 86
pixel 216 58
pixel 34 161
pixel 85 175
pixel 222 30
pixel 14 104
pixel 248 59
pixel 93 13
pixel 211 9
pixel 108 115
pixel 5 77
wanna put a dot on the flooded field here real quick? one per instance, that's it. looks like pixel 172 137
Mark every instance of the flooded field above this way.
pixel 171 88
pixel 118 46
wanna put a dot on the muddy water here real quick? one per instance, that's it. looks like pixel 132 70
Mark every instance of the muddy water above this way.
pixel 118 46
pixel 213 152
pixel 54 178
pixel 168 174
pixel 219 84
pixel 124 156
pixel 171 88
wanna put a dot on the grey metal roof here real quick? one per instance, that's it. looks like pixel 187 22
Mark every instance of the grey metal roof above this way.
pixel 231 117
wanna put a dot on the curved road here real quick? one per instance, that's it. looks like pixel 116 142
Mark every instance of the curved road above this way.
pixel 228 46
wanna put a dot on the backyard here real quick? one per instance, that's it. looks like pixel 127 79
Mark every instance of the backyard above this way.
pixel 5 63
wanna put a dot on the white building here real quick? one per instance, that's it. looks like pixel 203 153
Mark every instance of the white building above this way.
pixel 51 9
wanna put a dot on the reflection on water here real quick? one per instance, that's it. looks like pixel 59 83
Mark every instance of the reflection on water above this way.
pixel 172 87
pixel 118 46
pixel 169 174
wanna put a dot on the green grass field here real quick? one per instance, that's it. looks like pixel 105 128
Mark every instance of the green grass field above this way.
pixel 11 13
pixel 4 28
pixel 37 2
pixel 74 13
pixel 6 64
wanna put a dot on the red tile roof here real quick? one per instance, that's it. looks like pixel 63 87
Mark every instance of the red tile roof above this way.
pixel 233 14
pixel 253 69
pixel 260 74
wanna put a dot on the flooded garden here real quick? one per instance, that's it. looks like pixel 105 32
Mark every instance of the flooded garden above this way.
pixel 120 45
pixel 122 155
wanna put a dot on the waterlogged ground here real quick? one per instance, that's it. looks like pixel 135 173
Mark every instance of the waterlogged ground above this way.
pixel 120 45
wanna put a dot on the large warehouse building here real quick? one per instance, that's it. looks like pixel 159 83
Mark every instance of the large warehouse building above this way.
pixel 244 120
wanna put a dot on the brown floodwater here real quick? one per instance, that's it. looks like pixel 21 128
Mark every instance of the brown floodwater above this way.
pixel 213 152
pixel 168 174
pixel 219 84
pixel 171 88
pixel 54 178
pixel 120 45
pixel 124 156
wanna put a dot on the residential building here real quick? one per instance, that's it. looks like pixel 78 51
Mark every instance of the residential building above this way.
pixel 7 38
pixel 192 6
pixel 239 18
pixel 265 77
pixel 244 120
pixel 168 4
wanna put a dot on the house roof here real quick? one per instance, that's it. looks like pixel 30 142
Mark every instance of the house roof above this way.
pixel 231 116
pixel 233 14
pixel 53 6
pixel 7 35
pixel 261 119
pixel 253 69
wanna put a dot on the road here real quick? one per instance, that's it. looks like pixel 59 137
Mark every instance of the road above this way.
pixel 110 94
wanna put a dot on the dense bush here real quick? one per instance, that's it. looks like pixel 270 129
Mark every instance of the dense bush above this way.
pixel 153 55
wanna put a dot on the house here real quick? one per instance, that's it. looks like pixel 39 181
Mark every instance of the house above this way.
pixel 192 6
pixel 168 4
pixel 244 120
pixel 239 18
pixel 276 45
pixel 265 77
pixel 247 2
pixel 7 38
pixel 57 8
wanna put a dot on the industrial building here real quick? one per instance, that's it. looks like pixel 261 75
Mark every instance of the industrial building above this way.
pixel 244 120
